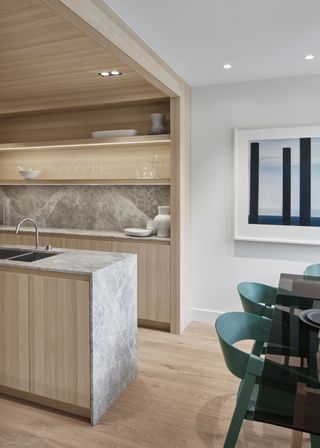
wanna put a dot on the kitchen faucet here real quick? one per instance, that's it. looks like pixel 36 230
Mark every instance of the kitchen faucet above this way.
pixel 35 226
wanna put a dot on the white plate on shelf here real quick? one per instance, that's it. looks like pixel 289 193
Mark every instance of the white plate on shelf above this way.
pixel 114 133
pixel 138 232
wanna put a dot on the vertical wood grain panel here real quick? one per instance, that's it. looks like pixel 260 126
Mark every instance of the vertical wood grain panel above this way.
pixel 180 112
pixel 157 283
pixel 8 238
pixel 153 278
pixel 14 331
pixel 76 243
pixel 79 123
pixel 59 339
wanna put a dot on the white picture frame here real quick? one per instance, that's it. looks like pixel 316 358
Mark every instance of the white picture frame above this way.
pixel 291 234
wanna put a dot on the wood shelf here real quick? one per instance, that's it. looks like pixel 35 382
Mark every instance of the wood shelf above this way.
pixel 89 143
pixel 117 161
pixel 87 182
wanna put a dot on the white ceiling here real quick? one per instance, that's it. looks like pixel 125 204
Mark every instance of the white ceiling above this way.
pixel 261 38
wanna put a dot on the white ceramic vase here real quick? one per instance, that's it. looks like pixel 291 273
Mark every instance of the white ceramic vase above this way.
pixel 162 221
pixel 158 126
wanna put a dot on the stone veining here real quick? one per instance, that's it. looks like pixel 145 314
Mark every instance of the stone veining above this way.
pixel 114 331
pixel 100 207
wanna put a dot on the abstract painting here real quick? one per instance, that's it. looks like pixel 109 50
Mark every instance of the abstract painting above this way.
pixel 278 184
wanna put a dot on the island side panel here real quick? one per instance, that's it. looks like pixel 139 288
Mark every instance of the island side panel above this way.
pixel 113 333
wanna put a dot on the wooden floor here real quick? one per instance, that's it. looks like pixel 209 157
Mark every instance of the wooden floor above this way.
pixel 183 398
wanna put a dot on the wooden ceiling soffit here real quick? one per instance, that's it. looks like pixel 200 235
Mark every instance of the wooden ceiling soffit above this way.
pixel 99 22
pixel 47 63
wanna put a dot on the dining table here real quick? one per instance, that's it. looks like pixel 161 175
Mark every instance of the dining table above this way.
pixel 289 387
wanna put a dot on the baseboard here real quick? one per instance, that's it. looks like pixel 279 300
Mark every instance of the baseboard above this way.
pixel 203 315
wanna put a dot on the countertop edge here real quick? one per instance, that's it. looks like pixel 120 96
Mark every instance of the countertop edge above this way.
pixel 82 233
pixel 42 265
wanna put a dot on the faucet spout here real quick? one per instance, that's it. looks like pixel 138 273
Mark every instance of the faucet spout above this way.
pixel 35 226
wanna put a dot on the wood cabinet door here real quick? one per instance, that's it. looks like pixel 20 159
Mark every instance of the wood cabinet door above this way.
pixel 87 244
pixel 153 278
pixel 59 339
pixel 14 331
pixel 8 238
pixel 157 279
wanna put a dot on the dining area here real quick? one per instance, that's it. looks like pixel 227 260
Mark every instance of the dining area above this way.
pixel 280 376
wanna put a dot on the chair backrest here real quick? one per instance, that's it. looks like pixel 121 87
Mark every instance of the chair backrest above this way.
pixel 313 270
pixel 236 326
pixel 257 297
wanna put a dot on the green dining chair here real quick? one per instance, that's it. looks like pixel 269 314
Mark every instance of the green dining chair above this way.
pixel 313 270
pixel 231 328
pixel 257 298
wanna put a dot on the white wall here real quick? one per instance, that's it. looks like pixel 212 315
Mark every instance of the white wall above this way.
pixel 218 262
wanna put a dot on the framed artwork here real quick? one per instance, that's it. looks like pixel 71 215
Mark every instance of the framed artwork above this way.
pixel 277 184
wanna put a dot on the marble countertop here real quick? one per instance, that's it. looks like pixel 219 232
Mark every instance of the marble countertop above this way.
pixel 84 233
pixel 67 261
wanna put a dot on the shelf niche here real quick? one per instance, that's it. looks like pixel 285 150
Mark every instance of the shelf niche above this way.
pixel 59 143
pixel 115 160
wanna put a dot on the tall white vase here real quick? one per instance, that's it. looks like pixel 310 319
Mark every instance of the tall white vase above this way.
pixel 162 221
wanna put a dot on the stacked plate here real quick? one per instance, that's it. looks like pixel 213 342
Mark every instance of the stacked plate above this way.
pixel 114 133
pixel 311 317
pixel 138 232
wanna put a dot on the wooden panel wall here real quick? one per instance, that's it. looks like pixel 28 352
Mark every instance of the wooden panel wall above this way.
pixel 48 63
pixel 180 209
pixel 103 163
pixel 79 123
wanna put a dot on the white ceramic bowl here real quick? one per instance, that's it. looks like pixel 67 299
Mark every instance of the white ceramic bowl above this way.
pixel 114 133
pixel 138 232
pixel 29 174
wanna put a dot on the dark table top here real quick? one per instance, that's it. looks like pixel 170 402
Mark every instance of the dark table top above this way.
pixel 289 388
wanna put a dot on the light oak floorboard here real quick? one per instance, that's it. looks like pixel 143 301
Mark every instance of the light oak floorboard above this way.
pixel 183 397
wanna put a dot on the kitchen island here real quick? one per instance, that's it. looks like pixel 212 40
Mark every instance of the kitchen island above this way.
pixel 68 327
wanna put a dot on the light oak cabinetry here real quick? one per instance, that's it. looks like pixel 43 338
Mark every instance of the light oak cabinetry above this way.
pixel 113 160
pixel 46 103
pixel 153 280
pixel 59 339
pixel 154 295
pixel 14 331
pixel 153 274
pixel 44 340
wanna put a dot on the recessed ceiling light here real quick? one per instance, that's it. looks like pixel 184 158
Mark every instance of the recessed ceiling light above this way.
pixel 309 57
pixel 110 73
pixel 227 66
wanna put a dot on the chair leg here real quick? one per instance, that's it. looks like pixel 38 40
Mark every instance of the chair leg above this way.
pixel 315 441
pixel 240 411
pixel 257 348
pixel 296 439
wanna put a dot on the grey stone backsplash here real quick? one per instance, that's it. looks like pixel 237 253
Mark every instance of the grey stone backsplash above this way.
pixel 101 207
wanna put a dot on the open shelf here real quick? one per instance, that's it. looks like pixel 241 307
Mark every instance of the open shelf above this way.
pixel 137 160
pixel 89 143
pixel 87 182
